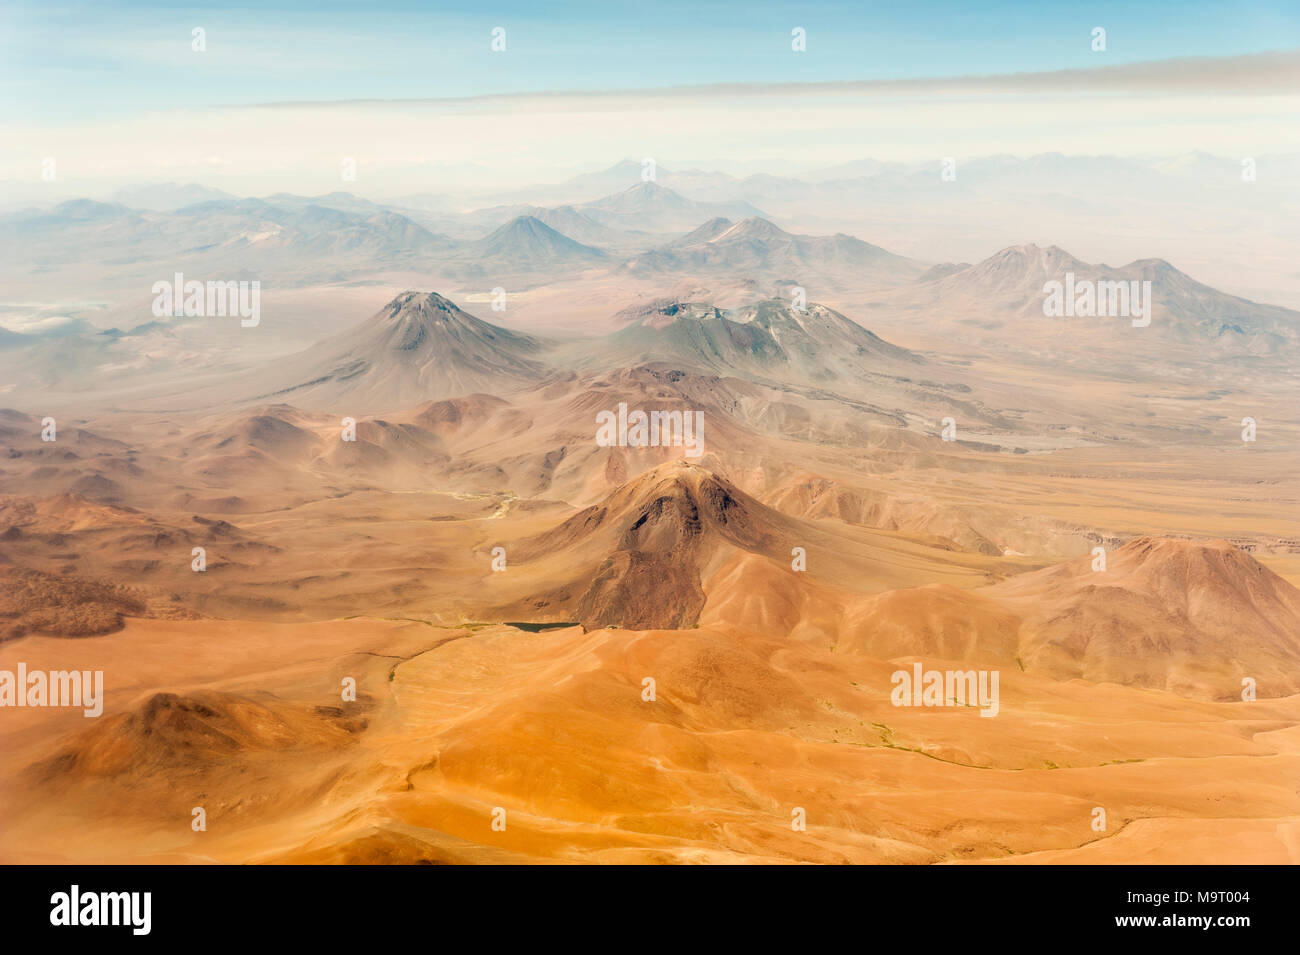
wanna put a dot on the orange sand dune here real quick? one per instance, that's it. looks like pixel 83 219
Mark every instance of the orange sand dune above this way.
pixel 552 728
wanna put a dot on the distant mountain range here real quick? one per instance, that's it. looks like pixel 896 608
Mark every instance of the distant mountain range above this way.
pixel 641 240
pixel 166 196
pixel 527 244
pixel 303 239
pixel 651 207
pixel 887 181
pixel 1006 291
pixel 423 347
pixel 755 246
pixel 635 216
pixel 419 347
pixel 288 239
pixel 770 340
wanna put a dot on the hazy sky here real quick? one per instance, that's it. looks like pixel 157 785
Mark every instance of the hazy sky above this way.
pixel 116 93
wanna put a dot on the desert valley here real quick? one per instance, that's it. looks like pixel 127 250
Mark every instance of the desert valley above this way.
pixel 367 583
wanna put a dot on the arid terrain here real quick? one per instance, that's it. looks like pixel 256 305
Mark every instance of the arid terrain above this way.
pixel 568 650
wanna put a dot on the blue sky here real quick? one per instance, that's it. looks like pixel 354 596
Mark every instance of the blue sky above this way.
pixel 72 62
pixel 115 94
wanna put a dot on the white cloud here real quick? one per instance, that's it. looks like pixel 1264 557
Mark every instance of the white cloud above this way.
pixel 1246 104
